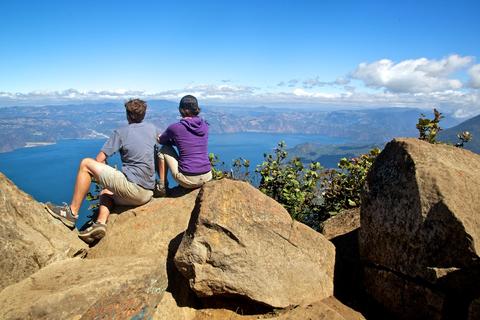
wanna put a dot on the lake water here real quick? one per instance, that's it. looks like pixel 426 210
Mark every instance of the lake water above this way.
pixel 48 172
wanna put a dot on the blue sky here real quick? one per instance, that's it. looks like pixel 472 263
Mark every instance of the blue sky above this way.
pixel 340 53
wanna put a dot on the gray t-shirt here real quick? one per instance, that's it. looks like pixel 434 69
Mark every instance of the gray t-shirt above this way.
pixel 136 143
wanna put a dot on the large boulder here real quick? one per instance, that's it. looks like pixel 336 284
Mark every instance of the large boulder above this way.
pixel 420 229
pixel 241 243
pixel 30 238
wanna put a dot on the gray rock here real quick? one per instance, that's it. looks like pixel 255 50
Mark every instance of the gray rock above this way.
pixel 242 243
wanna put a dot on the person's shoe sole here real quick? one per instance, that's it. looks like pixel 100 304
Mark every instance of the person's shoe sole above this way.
pixel 64 220
pixel 92 235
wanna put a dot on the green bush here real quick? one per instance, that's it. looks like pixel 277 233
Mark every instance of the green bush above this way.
pixel 240 169
pixel 218 167
pixel 290 182
pixel 341 188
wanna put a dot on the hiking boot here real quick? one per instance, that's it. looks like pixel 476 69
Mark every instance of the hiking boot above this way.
pixel 94 232
pixel 160 190
pixel 63 213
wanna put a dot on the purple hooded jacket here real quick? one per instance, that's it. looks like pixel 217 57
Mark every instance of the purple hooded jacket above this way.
pixel 190 136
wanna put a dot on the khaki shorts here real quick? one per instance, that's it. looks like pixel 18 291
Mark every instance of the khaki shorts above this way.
pixel 125 193
pixel 170 156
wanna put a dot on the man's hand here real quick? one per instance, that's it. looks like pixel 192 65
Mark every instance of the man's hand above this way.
pixel 101 157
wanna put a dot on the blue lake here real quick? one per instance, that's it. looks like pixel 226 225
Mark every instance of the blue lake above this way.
pixel 48 172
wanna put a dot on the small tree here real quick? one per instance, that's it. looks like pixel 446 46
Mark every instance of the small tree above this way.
pixel 428 129
pixel 218 167
pixel 241 170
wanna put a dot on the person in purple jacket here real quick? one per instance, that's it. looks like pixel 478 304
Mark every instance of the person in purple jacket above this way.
pixel 190 167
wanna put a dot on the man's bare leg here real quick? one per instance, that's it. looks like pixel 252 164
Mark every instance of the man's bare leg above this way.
pixel 88 168
pixel 106 205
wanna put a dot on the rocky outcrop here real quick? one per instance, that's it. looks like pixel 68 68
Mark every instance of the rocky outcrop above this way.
pixel 29 238
pixel 420 229
pixel 242 243
pixel 123 276
pixel 130 273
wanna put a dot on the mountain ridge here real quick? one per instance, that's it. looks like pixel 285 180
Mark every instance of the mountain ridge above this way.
pixel 20 126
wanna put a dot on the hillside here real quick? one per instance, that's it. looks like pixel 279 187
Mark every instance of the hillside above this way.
pixel 22 126
pixel 472 125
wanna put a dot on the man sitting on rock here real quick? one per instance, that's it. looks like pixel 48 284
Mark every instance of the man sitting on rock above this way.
pixel 133 186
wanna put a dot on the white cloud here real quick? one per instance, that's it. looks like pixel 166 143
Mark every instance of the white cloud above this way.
pixel 310 83
pixel 419 83
pixel 474 73
pixel 463 102
pixel 413 76
pixel 202 91
pixel 302 93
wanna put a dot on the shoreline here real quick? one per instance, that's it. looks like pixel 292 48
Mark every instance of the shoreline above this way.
pixel 37 144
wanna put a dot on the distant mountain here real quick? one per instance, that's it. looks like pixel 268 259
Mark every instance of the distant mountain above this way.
pixel 27 126
pixel 472 125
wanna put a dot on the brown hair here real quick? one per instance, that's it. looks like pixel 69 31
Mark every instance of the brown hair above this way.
pixel 135 109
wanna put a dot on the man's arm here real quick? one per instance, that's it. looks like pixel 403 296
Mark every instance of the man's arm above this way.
pixel 166 137
pixel 101 157
pixel 112 145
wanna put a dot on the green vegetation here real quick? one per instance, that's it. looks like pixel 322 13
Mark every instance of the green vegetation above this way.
pixel 341 188
pixel 290 182
pixel 240 169
pixel 218 167
pixel 428 129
